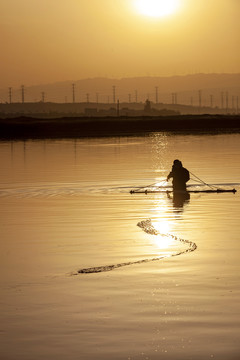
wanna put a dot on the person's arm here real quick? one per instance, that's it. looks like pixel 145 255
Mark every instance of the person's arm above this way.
pixel 170 175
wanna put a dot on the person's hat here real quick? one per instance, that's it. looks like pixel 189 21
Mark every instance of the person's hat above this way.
pixel 177 162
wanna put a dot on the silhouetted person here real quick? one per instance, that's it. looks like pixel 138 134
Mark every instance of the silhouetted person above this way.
pixel 180 176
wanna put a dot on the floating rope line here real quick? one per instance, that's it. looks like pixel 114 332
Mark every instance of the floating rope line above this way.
pixel 203 182
pixel 146 226
pixel 158 189
pixel 148 186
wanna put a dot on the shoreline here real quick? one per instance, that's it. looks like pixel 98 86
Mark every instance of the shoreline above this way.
pixel 78 127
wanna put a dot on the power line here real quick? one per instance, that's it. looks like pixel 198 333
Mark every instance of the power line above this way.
pixel 226 100
pixel 200 98
pixel 73 93
pixel 233 102
pixel 174 98
pixel 118 108
pixel 222 100
pixel 23 93
pixel 10 95
pixel 114 94
pixel 211 101
pixel 156 89
pixel 136 96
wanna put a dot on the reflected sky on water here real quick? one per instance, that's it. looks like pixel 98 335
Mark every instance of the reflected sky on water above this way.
pixel 65 205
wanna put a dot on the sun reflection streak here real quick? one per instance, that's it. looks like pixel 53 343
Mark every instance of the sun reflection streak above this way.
pixel 163 240
pixel 162 222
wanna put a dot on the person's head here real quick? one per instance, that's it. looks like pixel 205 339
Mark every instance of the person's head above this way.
pixel 177 163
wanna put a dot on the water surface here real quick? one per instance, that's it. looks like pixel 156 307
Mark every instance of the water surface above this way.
pixel 65 205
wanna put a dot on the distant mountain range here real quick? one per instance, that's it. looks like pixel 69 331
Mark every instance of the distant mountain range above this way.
pixel 183 89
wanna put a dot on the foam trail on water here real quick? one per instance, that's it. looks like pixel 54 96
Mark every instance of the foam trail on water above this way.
pixel 147 226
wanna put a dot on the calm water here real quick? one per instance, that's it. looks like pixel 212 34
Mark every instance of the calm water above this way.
pixel 65 206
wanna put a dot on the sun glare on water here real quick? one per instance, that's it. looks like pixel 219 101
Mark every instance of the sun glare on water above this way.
pixel 156 8
pixel 162 240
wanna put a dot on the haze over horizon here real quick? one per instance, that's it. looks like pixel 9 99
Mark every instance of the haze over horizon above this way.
pixel 45 42
pixel 136 89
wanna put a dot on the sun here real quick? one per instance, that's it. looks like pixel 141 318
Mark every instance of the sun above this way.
pixel 156 8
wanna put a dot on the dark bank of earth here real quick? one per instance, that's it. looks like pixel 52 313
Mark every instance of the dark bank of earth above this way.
pixel 76 127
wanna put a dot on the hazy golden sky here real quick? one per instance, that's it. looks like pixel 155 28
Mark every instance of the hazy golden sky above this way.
pixel 44 41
